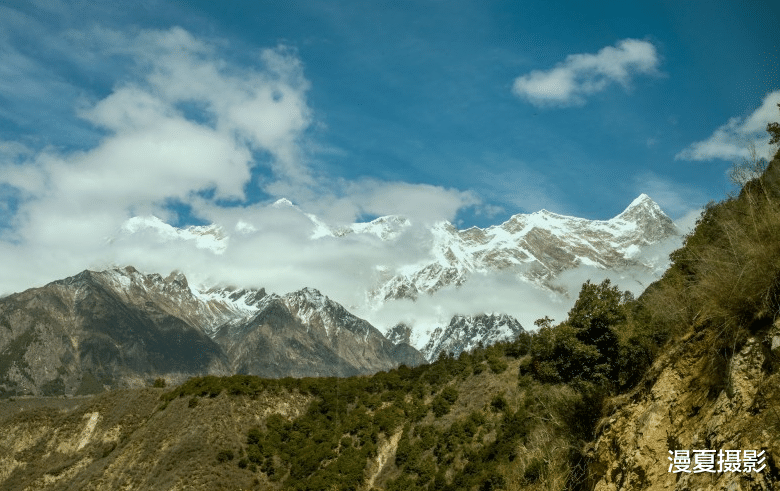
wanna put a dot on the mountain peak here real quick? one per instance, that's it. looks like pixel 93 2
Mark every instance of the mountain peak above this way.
pixel 648 216
pixel 283 203
pixel 178 278
pixel 642 200
pixel 642 209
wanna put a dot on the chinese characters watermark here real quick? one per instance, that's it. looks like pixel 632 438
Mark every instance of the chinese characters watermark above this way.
pixel 695 461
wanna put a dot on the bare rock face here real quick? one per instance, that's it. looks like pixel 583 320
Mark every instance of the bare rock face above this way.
pixel 80 334
pixel 687 403
pixel 400 333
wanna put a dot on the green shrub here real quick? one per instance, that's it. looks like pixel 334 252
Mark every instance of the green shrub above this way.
pixel 533 471
pixel 440 406
pixel 224 455
pixel 494 482
pixel 450 394
pixel 497 365
pixel 498 403
pixel 254 454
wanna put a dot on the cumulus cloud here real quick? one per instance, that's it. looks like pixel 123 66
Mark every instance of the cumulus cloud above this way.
pixel 733 139
pixel 152 151
pixel 185 125
pixel 580 75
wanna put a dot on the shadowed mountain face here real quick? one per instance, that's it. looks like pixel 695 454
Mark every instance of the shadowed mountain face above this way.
pixel 78 334
pixel 123 328
pixel 306 334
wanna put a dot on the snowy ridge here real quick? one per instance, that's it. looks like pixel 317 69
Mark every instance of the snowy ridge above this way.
pixel 209 237
pixel 216 307
pixel 536 246
pixel 463 333
pixel 388 227
pixel 207 309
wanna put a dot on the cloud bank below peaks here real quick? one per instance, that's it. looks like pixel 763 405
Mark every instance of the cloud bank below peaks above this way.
pixel 580 75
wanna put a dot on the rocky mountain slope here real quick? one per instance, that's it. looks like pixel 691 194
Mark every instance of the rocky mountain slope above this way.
pixel 682 406
pixel 84 332
pixel 716 384
pixel 123 328
pixel 304 333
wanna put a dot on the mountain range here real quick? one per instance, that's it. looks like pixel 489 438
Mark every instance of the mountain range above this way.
pixel 537 247
pixel 543 253
pixel 121 327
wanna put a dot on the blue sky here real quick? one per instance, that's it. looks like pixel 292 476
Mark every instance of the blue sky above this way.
pixel 469 111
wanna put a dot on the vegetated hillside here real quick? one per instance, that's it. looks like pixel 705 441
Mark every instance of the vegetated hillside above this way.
pixel 716 385
pixel 461 422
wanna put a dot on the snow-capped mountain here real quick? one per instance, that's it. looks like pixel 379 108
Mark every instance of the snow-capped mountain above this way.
pixel 544 253
pixel 209 237
pixel 463 333
pixel 537 247
pixel 206 309
pixel 388 227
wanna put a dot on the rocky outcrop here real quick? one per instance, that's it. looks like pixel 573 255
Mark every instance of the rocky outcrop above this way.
pixel 691 401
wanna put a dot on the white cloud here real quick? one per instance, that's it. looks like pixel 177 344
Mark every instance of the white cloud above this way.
pixel 185 120
pixel 152 151
pixel 508 295
pixel 583 74
pixel 687 222
pixel 733 139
